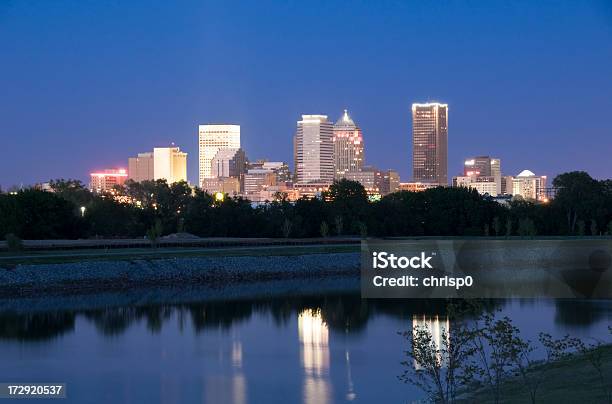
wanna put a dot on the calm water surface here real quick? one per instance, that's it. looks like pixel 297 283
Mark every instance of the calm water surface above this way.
pixel 286 350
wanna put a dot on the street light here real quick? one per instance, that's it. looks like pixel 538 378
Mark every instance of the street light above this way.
pixel 219 196
pixel 82 211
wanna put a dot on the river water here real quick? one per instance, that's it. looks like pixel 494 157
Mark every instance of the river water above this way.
pixel 336 348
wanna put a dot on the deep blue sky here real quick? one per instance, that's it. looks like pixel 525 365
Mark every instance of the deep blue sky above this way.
pixel 85 84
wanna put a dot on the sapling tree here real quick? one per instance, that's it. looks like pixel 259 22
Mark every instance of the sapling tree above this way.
pixel 440 367
pixel 496 345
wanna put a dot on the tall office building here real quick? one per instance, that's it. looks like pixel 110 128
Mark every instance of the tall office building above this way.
pixel 348 146
pixel 229 163
pixel 483 166
pixel 479 165
pixel 482 173
pixel 430 143
pixel 170 164
pixel 212 138
pixel 314 150
pixel 140 168
pixel 496 168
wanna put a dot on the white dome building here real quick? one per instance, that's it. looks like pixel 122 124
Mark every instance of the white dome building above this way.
pixel 529 186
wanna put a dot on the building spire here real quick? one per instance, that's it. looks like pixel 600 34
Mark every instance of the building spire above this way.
pixel 345 119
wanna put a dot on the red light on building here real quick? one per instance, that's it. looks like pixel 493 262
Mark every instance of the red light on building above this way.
pixel 102 181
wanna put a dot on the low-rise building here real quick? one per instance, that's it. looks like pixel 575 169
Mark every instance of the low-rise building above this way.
pixel 417 186
pixel 485 185
pixel 375 181
pixel 311 190
pixel 105 180
pixel 390 182
pixel 257 180
pixel 226 185
pixel 369 178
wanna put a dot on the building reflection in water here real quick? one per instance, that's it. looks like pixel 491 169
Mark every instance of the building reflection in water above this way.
pixel 350 394
pixel 237 354
pixel 233 388
pixel 437 326
pixel 314 350
pixel 219 389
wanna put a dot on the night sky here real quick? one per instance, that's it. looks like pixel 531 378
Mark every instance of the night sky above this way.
pixel 86 84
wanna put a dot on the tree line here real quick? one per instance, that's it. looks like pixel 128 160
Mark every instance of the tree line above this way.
pixel 582 206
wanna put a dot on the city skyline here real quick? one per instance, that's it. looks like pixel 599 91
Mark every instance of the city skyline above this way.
pixel 226 138
pixel 88 85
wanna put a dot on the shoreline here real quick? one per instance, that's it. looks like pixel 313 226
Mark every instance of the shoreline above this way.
pixel 571 379
pixel 214 273
pixel 525 263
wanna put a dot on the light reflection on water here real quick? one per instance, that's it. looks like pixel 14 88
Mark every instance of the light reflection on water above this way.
pixel 311 350
pixel 314 346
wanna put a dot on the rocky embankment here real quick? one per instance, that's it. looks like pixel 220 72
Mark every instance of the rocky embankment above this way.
pixel 213 272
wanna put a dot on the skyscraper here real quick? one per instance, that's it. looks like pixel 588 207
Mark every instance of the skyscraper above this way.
pixel 140 168
pixel 430 143
pixel 479 165
pixel 170 164
pixel 229 163
pixel 482 173
pixel 348 146
pixel 314 150
pixel 212 138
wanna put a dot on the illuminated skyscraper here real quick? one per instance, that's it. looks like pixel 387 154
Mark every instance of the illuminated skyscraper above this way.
pixel 170 164
pixel 430 143
pixel 212 138
pixel 348 146
pixel 167 163
pixel 479 165
pixel 314 150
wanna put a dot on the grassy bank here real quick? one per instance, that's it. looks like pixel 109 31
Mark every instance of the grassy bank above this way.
pixel 573 380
